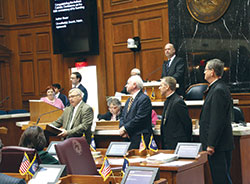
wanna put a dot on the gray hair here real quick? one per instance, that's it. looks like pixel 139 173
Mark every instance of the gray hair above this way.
pixel 114 101
pixel 216 65
pixel 77 90
pixel 170 81
pixel 138 81
pixel 136 71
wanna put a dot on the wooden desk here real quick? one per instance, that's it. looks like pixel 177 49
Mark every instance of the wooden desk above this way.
pixel 14 132
pixel 83 179
pixel 192 172
pixel 3 130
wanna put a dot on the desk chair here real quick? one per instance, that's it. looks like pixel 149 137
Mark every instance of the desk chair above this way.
pixel 12 157
pixel 238 115
pixel 75 153
pixel 195 91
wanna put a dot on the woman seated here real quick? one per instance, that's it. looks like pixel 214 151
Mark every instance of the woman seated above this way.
pixel 33 137
pixel 51 98
pixel 114 112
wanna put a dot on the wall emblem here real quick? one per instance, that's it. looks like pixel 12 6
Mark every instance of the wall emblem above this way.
pixel 207 11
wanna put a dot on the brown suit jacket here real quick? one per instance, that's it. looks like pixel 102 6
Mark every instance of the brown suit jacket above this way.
pixel 81 123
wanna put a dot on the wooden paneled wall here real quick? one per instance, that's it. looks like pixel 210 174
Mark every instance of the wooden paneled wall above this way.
pixel 125 19
pixel 25 29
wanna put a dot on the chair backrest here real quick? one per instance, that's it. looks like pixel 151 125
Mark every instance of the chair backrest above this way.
pixel 196 91
pixel 12 157
pixel 17 111
pixel 2 112
pixel 75 153
pixel 238 115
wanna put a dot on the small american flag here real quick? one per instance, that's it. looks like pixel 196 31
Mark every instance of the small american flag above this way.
pixel 24 165
pixel 105 170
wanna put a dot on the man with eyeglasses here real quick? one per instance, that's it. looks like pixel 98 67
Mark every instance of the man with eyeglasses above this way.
pixel 215 123
pixel 5 179
pixel 77 118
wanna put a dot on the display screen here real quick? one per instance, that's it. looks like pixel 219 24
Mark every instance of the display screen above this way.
pixel 137 176
pixel 74 27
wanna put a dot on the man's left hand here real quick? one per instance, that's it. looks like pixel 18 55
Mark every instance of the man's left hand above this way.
pixel 64 133
pixel 210 150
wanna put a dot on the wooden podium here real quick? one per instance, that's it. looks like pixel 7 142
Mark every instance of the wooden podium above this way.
pixel 43 112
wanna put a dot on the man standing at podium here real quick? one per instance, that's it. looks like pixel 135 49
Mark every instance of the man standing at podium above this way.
pixel 215 123
pixel 136 115
pixel 77 118
pixel 175 67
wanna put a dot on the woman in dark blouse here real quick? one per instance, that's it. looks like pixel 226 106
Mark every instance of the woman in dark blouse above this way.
pixel 33 137
pixel 114 112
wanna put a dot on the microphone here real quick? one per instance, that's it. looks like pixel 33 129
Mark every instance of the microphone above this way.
pixel 6 98
pixel 39 117
pixel 154 71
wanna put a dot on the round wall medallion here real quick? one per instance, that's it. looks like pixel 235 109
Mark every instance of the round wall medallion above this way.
pixel 207 11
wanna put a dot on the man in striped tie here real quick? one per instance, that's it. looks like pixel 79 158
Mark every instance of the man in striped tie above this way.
pixel 136 116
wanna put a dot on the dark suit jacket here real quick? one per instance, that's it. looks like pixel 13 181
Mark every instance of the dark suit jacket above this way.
pixel 81 123
pixel 85 92
pixel 177 126
pixel 178 69
pixel 215 118
pixel 64 99
pixel 138 119
pixel 108 116
pixel 5 179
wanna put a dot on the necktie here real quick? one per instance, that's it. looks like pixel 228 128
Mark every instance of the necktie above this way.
pixel 168 66
pixel 130 103
pixel 70 118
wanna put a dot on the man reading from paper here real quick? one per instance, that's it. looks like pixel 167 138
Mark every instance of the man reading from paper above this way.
pixel 77 118
pixel 136 116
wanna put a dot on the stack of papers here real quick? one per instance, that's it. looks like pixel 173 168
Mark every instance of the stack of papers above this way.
pixel 162 158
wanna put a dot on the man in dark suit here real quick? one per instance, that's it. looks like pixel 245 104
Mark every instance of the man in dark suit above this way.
pixel 59 95
pixel 215 123
pixel 5 179
pixel 76 78
pixel 175 67
pixel 176 125
pixel 77 118
pixel 136 115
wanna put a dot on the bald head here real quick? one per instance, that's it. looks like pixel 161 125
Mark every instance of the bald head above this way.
pixel 169 50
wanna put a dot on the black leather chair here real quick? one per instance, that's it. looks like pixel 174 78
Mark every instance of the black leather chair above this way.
pixel 12 157
pixel 196 91
pixel 75 153
pixel 238 115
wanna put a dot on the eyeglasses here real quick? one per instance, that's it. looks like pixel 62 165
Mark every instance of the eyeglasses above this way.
pixel 73 96
pixel 114 107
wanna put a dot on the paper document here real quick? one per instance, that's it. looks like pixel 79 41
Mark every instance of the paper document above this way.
pixel 162 157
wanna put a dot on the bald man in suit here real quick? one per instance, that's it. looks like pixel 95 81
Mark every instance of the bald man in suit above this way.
pixel 77 118
pixel 175 67
pixel 136 116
